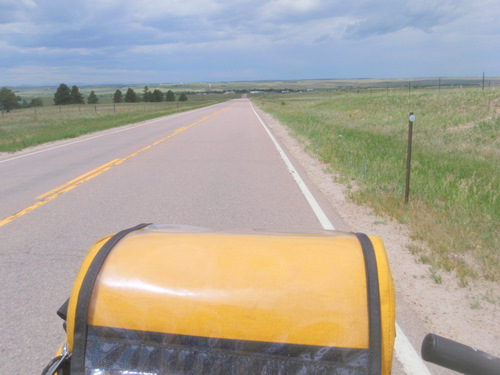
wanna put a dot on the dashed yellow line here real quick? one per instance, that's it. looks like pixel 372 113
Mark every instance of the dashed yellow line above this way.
pixel 70 185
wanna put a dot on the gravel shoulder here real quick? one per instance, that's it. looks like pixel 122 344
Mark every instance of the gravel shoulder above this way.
pixel 469 314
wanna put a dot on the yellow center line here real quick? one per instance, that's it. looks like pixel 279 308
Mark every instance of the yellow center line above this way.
pixel 76 179
pixel 70 185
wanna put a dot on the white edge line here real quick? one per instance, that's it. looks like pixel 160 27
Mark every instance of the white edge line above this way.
pixel 128 127
pixel 320 214
pixel 407 355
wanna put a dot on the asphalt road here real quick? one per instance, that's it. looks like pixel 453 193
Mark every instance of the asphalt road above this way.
pixel 214 167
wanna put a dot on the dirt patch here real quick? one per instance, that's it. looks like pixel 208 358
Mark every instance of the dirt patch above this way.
pixel 466 314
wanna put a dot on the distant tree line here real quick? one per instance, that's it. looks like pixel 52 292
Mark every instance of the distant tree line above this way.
pixel 147 96
pixel 64 95
pixel 9 100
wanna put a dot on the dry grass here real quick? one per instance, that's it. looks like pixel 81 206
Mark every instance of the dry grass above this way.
pixel 455 179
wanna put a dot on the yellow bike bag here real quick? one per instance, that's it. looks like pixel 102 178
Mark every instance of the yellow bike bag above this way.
pixel 182 300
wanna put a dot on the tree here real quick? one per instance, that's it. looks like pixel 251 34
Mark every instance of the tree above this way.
pixel 36 102
pixel 63 95
pixel 118 97
pixel 157 96
pixel 77 95
pixel 92 99
pixel 8 100
pixel 147 96
pixel 170 96
pixel 183 98
pixel 130 96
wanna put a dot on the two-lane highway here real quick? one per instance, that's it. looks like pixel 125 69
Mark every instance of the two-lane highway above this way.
pixel 217 167
pixel 214 167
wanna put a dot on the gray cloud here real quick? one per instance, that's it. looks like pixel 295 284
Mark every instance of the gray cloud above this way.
pixel 391 16
pixel 69 23
pixel 289 38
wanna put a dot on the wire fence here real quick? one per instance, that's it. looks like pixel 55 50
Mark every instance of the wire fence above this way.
pixel 419 84
pixel 79 111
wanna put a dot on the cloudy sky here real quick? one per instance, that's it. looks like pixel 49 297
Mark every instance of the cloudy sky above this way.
pixel 162 41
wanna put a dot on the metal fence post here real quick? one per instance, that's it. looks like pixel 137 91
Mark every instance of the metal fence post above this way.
pixel 408 156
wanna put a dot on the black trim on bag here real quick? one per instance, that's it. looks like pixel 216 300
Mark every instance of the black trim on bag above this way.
pixel 83 303
pixel 117 349
pixel 374 315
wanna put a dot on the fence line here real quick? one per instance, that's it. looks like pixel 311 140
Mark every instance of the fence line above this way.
pixel 90 111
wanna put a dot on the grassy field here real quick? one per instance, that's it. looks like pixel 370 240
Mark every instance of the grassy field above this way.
pixel 454 203
pixel 28 127
pixel 105 92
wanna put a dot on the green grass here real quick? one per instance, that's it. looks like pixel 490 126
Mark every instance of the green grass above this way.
pixel 33 126
pixel 435 276
pixel 455 177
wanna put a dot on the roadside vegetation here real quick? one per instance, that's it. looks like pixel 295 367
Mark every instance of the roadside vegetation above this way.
pixel 21 128
pixel 454 205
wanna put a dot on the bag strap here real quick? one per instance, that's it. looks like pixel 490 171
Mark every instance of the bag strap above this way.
pixel 83 303
pixel 58 365
pixel 374 315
